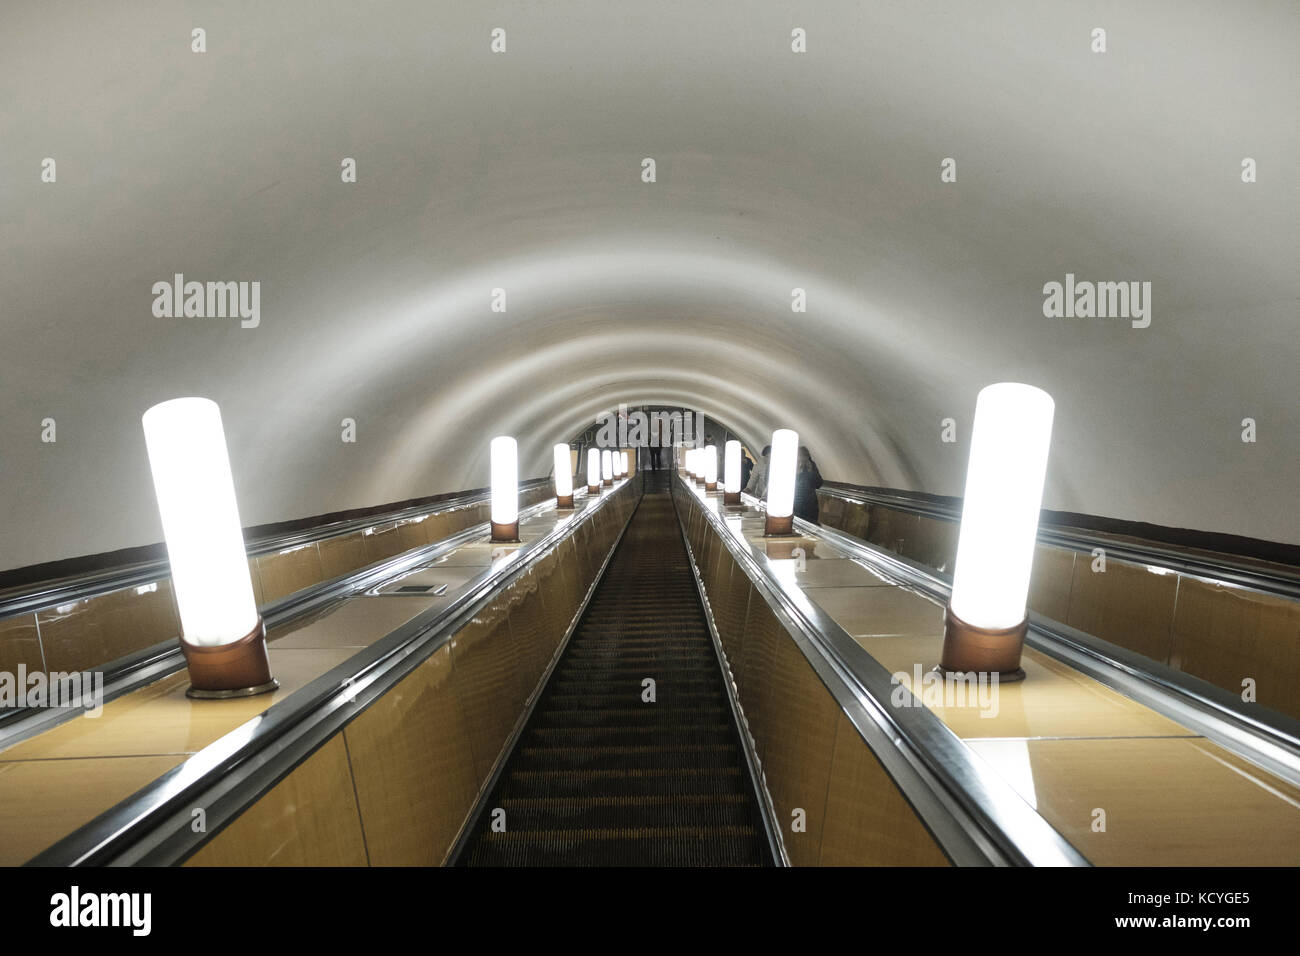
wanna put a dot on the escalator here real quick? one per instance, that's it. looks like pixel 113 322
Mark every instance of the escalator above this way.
pixel 603 776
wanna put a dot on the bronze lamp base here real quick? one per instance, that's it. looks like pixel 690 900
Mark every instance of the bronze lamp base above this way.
pixel 967 648
pixel 240 669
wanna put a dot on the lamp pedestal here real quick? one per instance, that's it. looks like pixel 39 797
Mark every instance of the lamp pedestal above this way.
pixel 505 532
pixel 971 649
pixel 239 669
pixel 564 501
pixel 710 486
pixel 607 482
pixel 778 527
pixel 731 497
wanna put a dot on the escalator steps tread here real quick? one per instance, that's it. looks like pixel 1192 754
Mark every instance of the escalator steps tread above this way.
pixel 601 777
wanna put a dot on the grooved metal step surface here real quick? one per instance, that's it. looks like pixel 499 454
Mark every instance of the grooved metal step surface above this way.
pixel 605 775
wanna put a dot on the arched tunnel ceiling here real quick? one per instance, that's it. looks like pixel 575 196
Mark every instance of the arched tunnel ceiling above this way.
pixel 522 170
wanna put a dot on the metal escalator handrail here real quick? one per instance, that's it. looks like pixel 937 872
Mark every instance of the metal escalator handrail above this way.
pixel 1267 738
pixel 153 663
pixel 1276 580
pixel 973 814
pixel 28 599
pixel 154 826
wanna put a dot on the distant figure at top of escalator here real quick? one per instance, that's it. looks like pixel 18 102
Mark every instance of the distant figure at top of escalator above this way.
pixel 807 479
pixel 746 466
pixel 757 483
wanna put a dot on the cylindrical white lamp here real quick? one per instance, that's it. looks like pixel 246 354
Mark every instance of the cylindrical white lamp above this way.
pixel 985 622
pixel 710 467
pixel 606 467
pixel 780 482
pixel 625 461
pixel 618 463
pixel 563 476
pixel 222 635
pixel 505 489
pixel 593 470
pixel 699 465
pixel 731 473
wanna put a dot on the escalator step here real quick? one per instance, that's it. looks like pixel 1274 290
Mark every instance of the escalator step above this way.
pixel 686 846
pixel 679 781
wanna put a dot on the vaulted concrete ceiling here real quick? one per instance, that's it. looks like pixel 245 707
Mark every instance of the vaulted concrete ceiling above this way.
pixel 522 171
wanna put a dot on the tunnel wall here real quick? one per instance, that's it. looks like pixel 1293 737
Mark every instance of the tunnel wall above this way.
pixel 776 171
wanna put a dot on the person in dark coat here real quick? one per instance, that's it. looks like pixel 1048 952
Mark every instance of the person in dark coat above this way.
pixel 757 484
pixel 746 466
pixel 807 479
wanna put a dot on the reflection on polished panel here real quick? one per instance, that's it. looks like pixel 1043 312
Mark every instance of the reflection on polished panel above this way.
pixel 355 623
pixel 43 800
pixel 160 719
pixel 1052 701
pixel 1010 760
pixel 1165 801
pixel 879 611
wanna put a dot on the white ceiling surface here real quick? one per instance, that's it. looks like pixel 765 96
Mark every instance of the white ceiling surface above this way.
pixel 522 171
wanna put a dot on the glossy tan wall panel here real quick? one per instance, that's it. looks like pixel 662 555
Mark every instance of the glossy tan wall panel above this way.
pixel 309 818
pixel 84 634
pixel 414 767
pixel 800 732
pixel 490 688
pixel 293 569
pixel 868 822
pixel 19 644
pixel 1227 635
pixel 1126 604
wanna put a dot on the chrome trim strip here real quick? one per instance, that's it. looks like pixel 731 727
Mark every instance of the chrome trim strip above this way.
pixel 973 814
pixel 153 826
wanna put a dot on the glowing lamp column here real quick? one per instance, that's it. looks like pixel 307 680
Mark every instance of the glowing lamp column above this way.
pixel 606 467
pixel 563 477
pixel 593 471
pixel 985 622
pixel 623 462
pixel 731 473
pixel 711 468
pixel 222 635
pixel 780 482
pixel 505 489
pixel 699 466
